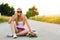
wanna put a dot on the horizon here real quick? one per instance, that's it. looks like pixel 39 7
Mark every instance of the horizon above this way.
pixel 45 7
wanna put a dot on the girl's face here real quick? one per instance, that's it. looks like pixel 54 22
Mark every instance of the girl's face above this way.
pixel 19 12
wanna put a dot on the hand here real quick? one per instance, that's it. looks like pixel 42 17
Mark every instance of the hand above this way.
pixel 30 31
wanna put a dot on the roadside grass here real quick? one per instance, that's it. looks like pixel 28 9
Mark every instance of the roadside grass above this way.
pixel 4 19
pixel 49 19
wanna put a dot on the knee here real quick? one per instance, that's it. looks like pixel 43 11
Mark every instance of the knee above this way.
pixel 12 24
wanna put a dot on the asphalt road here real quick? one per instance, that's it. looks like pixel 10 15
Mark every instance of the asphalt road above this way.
pixel 45 31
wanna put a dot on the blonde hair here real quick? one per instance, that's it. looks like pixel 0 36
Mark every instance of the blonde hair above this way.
pixel 21 17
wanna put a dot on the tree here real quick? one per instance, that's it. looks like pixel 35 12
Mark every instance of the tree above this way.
pixel 32 12
pixel 11 11
pixel 6 10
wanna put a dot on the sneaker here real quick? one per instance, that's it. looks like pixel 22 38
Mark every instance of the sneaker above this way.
pixel 9 35
pixel 14 36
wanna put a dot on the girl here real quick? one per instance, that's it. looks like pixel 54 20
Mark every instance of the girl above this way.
pixel 17 22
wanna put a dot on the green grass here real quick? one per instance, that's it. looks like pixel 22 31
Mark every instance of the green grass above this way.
pixel 4 19
pixel 49 19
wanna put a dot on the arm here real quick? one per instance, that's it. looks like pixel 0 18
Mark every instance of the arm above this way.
pixel 29 27
pixel 11 19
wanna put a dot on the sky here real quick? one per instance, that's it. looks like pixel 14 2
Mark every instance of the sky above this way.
pixel 45 7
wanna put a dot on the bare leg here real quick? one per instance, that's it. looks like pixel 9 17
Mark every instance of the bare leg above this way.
pixel 22 33
pixel 12 27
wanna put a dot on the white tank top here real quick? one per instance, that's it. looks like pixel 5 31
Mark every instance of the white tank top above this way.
pixel 20 24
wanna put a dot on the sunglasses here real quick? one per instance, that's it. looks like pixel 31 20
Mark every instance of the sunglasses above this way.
pixel 19 11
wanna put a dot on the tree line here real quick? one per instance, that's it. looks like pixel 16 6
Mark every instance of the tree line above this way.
pixel 7 10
